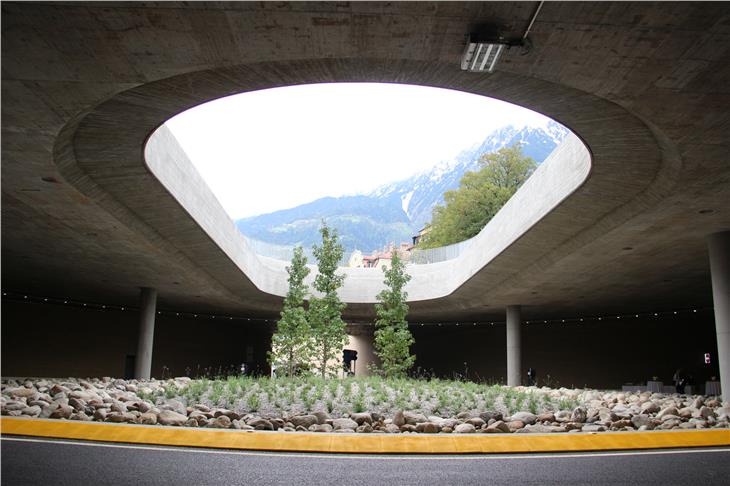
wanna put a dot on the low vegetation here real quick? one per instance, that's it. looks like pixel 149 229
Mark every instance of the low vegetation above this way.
pixel 352 395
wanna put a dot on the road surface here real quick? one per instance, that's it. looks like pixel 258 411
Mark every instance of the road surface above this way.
pixel 27 461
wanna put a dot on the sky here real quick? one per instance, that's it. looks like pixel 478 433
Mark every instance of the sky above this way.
pixel 274 149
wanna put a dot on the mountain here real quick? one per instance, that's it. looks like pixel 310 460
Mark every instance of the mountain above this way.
pixel 396 211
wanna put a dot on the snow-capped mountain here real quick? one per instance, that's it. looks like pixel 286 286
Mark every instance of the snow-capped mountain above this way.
pixel 396 211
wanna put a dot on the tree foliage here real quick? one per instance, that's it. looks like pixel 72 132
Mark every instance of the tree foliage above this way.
pixel 291 343
pixel 325 309
pixel 393 339
pixel 480 195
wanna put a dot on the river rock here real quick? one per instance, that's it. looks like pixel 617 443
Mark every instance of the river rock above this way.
pixel 15 405
pixel 399 418
pixel 344 423
pixel 82 395
pixel 220 422
pixel 722 413
pixel 526 417
pixel 427 428
pixel 117 406
pixel 668 411
pixel 706 412
pixel 413 418
pixel 546 417
pixel 80 416
pixel 465 429
pixel 62 412
pixel 540 429
pixel 259 423
pixel 33 411
pixel 321 428
pixel 392 429
pixel 148 418
pixel 305 421
pixel 620 424
pixel 225 412
pixel 515 425
pixel 322 417
pixel 649 407
pixel 362 418
pixel 20 392
pixel 579 415
pixel 171 417
pixel 477 422
pixel 448 422
pixel 498 427
pixel 118 417
pixel 670 424
pixel 364 428
pixel 77 404
pixel 175 406
pixel 642 420
pixel 563 416
pixel 490 415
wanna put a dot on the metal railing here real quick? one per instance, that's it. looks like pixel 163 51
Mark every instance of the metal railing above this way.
pixel 278 252
pixel 440 254
pixel 417 257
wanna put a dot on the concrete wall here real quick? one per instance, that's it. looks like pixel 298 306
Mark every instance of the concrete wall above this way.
pixel 58 341
pixel 597 354
pixel 555 179
pixel 53 340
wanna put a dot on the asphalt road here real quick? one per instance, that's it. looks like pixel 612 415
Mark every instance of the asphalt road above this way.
pixel 49 462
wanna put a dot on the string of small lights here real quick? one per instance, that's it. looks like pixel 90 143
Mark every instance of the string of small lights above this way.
pixel 22 297
pixel 124 308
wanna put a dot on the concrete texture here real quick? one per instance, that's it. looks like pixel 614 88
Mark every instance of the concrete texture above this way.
pixel 561 174
pixel 514 345
pixel 719 245
pixel 146 334
pixel 643 85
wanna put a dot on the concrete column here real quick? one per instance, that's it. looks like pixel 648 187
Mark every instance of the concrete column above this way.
pixel 361 339
pixel 147 309
pixel 514 346
pixel 719 249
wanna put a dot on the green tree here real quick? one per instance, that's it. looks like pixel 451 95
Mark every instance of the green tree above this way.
pixel 325 309
pixel 291 343
pixel 481 194
pixel 393 339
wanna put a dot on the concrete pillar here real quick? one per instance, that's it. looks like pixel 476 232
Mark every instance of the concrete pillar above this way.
pixel 147 310
pixel 719 249
pixel 361 339
pixel 514 346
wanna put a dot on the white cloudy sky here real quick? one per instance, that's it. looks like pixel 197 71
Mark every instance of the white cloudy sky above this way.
pixel 278 148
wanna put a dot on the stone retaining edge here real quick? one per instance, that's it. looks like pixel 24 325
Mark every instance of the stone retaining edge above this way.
pixel 363 443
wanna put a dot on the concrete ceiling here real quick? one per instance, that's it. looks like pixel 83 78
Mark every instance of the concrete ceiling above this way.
pixel 645 85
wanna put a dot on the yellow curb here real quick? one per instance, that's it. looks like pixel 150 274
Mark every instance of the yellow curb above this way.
pixel 363 443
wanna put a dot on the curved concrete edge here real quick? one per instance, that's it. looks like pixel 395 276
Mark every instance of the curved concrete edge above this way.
pixel 561 174
pixel 102 156
pixel 363 443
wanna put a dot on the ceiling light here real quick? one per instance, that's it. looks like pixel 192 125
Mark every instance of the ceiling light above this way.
pixel 482 56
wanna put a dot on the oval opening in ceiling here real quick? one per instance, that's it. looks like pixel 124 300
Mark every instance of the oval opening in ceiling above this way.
pixel 373 159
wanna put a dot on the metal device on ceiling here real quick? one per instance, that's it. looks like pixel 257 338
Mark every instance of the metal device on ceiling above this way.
pixel 483 50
